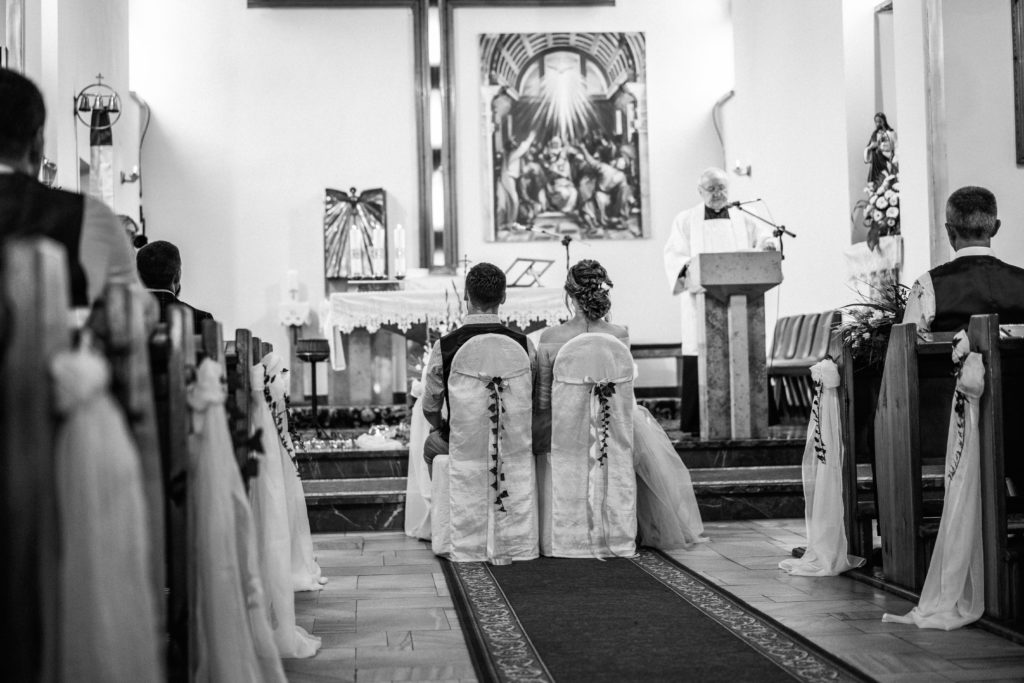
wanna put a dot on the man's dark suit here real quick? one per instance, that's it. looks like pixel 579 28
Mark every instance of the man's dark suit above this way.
pixel 28 208
pixel 166 299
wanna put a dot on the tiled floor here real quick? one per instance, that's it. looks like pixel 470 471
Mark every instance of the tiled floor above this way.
pixel 386 615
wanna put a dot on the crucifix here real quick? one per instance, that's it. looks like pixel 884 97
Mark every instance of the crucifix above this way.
pixel 434 47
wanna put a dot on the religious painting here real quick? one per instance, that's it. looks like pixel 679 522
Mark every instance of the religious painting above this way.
pixel 355 234
pixel 566 135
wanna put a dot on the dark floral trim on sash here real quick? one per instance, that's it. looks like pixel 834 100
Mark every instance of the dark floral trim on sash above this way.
pixel 960 411
pixel 496 385
pixel 603 391
pixel 819 442
pixel 279 412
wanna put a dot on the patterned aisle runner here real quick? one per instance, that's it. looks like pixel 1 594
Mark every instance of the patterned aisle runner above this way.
pixel 644 618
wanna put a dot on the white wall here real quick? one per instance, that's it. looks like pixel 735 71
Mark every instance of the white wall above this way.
pixel 255 113
pixel 689 62
pixel 979 111
pixel 789 121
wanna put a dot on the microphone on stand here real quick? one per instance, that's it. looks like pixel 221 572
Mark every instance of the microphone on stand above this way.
pixel 733 205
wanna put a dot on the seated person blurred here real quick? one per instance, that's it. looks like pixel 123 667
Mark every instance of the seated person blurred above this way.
pixel 159 266
pixel 89 231
pixel 485 292
pixel 975 281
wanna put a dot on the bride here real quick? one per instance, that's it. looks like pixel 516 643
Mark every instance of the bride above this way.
pixel 667 513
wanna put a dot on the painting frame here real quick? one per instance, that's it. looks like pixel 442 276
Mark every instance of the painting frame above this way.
pixel 565 131
pixel 355 234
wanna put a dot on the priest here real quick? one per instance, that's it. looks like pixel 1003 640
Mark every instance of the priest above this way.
pixel 711 226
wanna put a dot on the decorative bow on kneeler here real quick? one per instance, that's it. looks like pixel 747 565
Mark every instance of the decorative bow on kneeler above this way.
pixel 497 385
pixel 819 442
pixel 603 391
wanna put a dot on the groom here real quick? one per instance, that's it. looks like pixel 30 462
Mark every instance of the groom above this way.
pixel 485 292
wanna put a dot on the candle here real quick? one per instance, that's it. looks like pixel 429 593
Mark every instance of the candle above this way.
pixel 377 256
pixel 293 280
pixel 618 122
pixel 399 251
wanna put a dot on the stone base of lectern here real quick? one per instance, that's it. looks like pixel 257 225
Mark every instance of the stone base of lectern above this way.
pixel 729 289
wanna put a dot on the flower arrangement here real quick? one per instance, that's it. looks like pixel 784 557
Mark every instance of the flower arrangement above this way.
pixel 866 325
pixel 881 210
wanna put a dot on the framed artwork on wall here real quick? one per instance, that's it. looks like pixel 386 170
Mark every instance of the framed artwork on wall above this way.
pixel 566 134
pixel 355 234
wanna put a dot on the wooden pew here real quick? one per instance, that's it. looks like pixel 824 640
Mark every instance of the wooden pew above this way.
pixel 33 328
pixel 1002 447
pixel 911 426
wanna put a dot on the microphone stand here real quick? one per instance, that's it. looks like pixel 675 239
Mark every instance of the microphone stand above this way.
pixel 777 230
pixel 566 239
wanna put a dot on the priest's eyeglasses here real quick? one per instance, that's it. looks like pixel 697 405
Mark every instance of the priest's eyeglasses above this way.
pixel 714 188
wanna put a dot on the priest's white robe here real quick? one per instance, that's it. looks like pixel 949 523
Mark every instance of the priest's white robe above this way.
pixel 691 235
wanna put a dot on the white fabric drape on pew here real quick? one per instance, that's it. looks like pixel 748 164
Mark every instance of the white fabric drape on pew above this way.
pixel 108 625
pixel 306 573
pixel 823 483
pixel 268 496
pixel 233 641
pixel 954 589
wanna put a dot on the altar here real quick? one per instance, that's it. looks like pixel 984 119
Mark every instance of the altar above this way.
pixel 371 333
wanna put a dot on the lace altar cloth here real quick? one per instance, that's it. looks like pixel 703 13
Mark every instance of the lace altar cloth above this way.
pixel 346 311
pixel 440 308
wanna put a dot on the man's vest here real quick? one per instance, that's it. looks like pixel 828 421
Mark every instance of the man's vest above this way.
pixel 453 341
pixel 29 208
pixel 974 285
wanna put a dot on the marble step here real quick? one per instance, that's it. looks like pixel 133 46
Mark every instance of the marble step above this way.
pixel 361 504
pixel 773 492
pixel 327 463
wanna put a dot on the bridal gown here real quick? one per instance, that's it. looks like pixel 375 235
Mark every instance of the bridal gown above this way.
pixel 232 640
pixel 666 507
pixel 306 573
pixel 268 495
pixel 107 619
pixel 417 485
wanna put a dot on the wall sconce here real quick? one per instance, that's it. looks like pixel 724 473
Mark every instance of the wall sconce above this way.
pixel 98 96
pixel 48 172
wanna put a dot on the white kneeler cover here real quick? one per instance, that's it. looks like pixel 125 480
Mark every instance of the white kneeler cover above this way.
pixel 823 483
pixel 588 484
pixel 954 589
pixel 484 496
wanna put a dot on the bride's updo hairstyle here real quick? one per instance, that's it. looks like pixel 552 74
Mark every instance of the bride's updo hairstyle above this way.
pixel 588 283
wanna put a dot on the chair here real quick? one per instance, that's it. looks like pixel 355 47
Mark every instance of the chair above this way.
pixel 588 485
pixel 483 499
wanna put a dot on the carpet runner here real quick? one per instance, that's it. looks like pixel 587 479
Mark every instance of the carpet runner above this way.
pixel 646 618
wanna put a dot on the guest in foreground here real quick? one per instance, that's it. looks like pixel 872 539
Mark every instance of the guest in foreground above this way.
pixel 975 281
pixel 667 512
pixel 89 231
pixel 160 269
pixel 485 292
pixel 711 226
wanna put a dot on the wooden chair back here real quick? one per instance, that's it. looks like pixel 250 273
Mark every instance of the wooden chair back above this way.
pixel 34 327
pixel 238 365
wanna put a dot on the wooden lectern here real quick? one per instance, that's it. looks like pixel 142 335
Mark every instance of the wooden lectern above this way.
pixel 729 292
